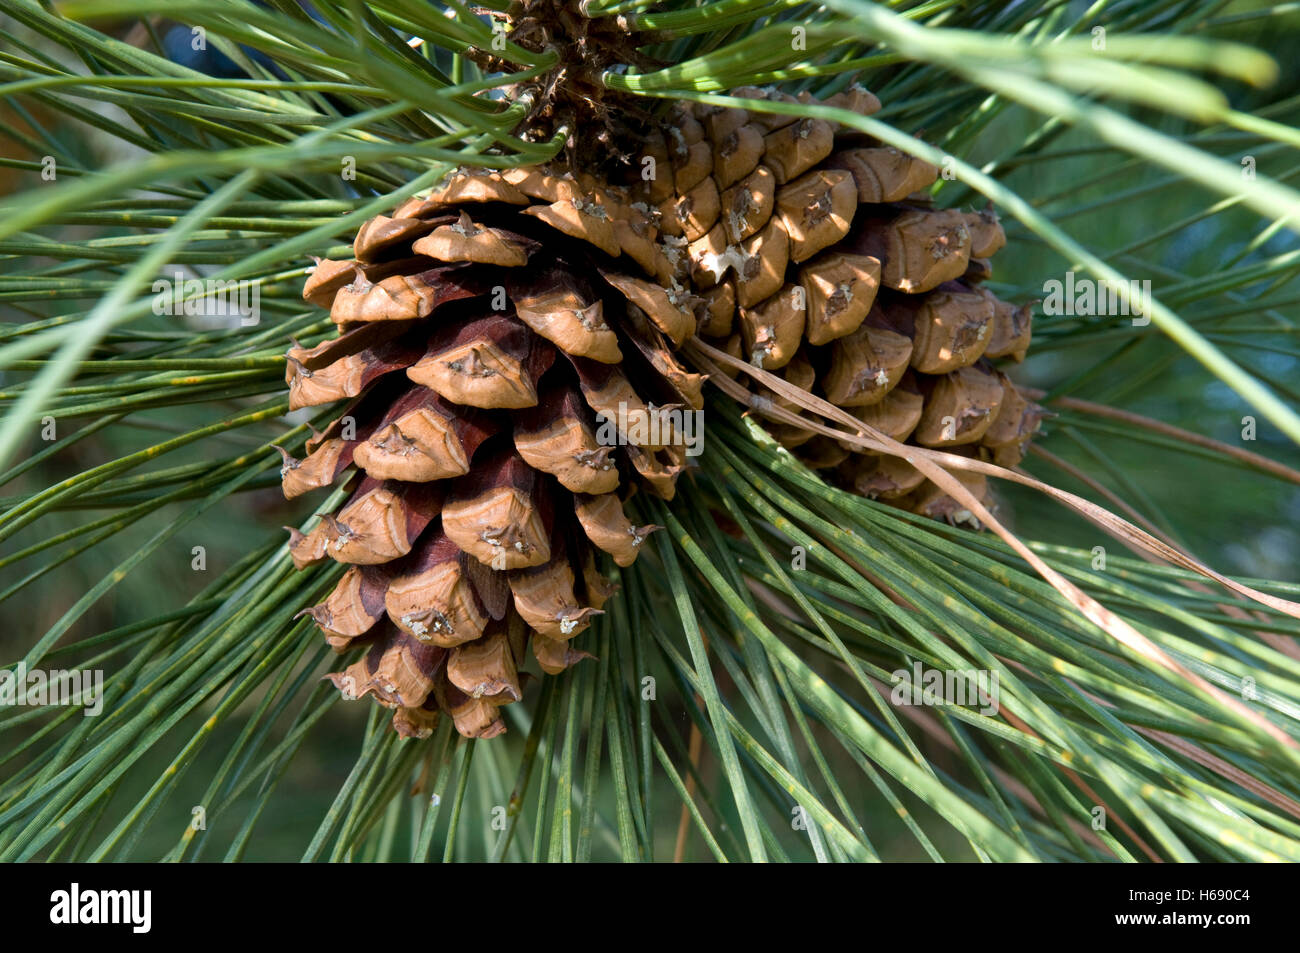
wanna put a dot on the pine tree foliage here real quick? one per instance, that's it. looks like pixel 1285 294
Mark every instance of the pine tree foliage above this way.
pixel 741 699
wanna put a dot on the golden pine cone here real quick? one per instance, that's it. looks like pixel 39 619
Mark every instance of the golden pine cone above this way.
pixel 536 313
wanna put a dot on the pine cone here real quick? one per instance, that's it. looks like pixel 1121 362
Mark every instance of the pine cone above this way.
pixel 508 344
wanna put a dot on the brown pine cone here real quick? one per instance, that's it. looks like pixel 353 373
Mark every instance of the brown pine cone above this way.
pixel 508 346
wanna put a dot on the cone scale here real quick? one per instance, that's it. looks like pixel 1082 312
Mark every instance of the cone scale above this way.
pixel 507 345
